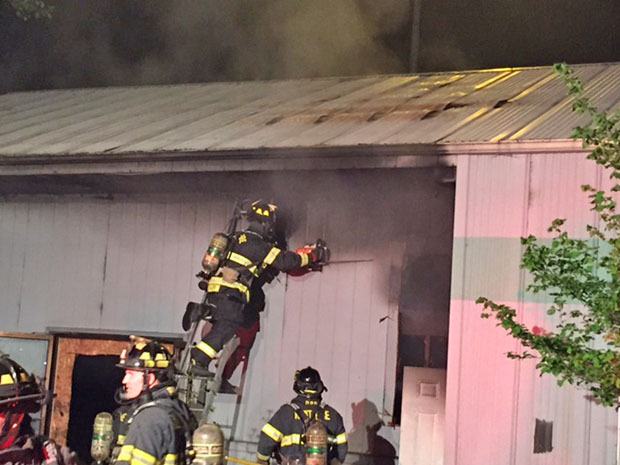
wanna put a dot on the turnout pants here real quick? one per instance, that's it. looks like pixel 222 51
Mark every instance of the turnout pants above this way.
pixel 227 318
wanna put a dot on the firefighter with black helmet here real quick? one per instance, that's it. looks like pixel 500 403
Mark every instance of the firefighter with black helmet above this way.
pixel 284 436
pixel 251 254
pixel 159 426
pixel 20 396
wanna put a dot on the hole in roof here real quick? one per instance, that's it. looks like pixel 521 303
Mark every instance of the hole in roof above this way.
pixel 430 114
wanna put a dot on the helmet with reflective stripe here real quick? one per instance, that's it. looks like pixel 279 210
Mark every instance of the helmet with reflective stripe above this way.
pixel 17 385
pixel 262 211
pixel 145 355
pixel 308 383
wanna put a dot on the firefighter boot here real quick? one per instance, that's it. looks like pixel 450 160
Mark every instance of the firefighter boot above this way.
pixel 200 363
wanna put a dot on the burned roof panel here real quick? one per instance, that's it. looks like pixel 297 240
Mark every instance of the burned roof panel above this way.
pixel 469 106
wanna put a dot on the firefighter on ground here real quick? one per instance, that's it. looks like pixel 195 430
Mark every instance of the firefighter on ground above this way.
pixel 159 426
pixel 284 435
pixel 20 396
pixel 251 253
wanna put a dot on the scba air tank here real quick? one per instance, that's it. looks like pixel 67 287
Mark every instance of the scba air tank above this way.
pixel 316 444
pixel 215 253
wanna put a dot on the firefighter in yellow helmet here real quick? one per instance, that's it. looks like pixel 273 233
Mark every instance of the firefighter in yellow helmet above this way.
pixel 21 395
pixel 252 255
pixel 160 426
pixel 284 436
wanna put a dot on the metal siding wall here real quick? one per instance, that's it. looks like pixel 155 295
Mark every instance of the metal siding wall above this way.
pixel 13 225
pixel 151 263
pixel 51 259
pixel 493 401
pixel 123 264
pixel 481 385
pixel 129 264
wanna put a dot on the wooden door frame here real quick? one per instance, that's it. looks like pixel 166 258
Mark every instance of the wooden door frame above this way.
pixel 67 347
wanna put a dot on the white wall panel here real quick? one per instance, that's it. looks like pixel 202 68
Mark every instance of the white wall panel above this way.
pixel 13 225
pixel 493 402
pixel 52 257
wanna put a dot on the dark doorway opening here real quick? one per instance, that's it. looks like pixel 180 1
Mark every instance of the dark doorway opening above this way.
pixel 424 300
pixel 94 381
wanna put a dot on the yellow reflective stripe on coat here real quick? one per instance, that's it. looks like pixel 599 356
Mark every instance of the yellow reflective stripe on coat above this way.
pixel 207 349
pixel 125 454
pixel 120 440
pixel 272 432
pixel 243 261
pixel 135 456
pixel 6 379
pixel 264 458
pixel 305 259
pixel 290 440
pixel 171 459
pixel 340 439
pixel 139 457
pixel 271 256
pixel 217 282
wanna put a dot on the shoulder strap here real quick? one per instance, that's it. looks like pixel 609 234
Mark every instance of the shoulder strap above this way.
pixel 300 413
pixel 306 421
pixel 177 419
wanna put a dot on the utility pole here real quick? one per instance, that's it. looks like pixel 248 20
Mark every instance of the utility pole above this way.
pixel 414 51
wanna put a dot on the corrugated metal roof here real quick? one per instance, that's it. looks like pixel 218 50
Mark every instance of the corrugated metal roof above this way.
pixel 470 106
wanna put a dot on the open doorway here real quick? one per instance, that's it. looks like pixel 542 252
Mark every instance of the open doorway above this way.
pixel 95 379
pixel 74 357
pixel 85 379
pixel 424 315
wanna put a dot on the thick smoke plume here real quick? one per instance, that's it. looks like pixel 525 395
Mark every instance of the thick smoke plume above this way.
pixel 103 42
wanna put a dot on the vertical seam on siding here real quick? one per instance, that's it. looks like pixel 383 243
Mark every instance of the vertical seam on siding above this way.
pixel 520 307
pixel 351 333
pixel 105 263
pixel 588 427
pixel 21 281
pixel 463 280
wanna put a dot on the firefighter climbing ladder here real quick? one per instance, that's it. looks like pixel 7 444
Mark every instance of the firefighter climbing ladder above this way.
pixel 200 392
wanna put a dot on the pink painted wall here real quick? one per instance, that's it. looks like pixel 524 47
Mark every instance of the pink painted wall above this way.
pixel 492 402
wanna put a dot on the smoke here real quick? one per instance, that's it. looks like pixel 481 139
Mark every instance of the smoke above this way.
pixel 105 42
pixel 138 42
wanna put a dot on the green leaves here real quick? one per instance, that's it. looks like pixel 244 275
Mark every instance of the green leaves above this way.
pixel 581 275
pixel 31 9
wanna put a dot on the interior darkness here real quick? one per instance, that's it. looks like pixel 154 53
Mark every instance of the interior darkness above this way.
pixel 95 379
pixel 425 302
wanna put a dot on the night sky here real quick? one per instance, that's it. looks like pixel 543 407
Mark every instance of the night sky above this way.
pixel 136 42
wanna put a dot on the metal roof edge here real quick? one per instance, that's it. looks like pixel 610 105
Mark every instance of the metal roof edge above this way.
pixel 276 159
pixel 512 147
pixel 263 159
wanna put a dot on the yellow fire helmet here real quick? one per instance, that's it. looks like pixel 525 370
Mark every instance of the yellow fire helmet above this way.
pixel 145 354
pixel 262 211
pixel 17 385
